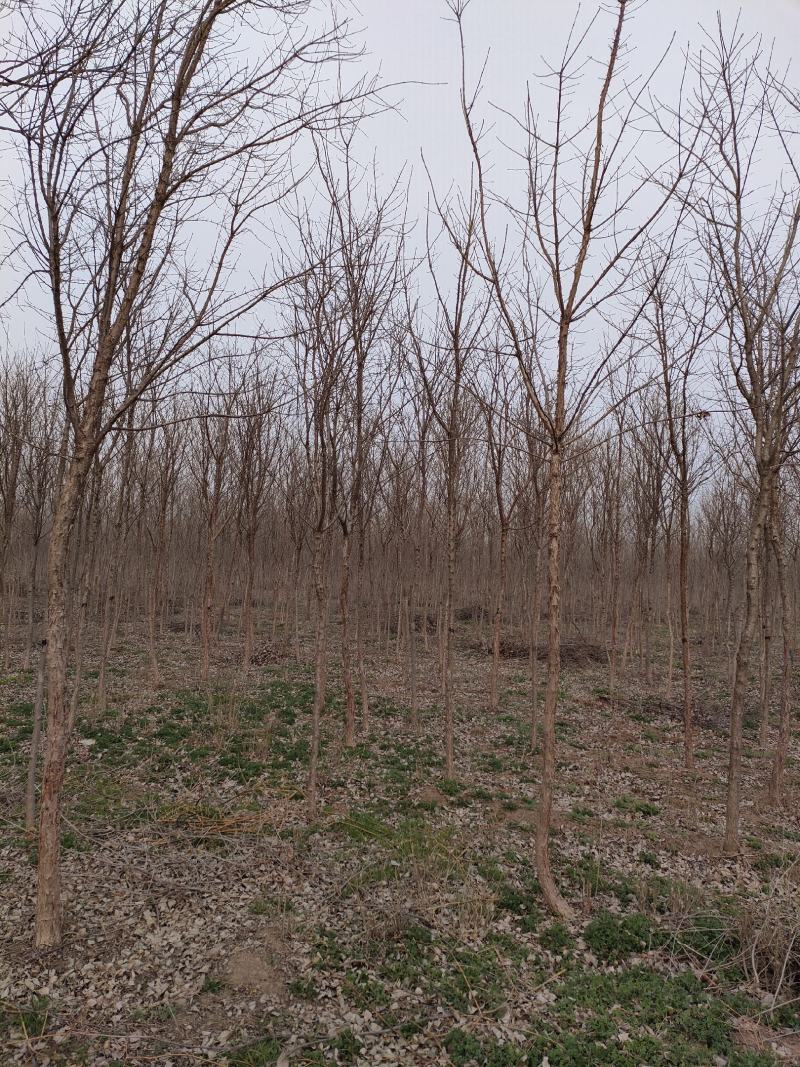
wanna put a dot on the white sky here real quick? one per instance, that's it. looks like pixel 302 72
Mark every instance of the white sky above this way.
pixel 411 40
pixel 414 41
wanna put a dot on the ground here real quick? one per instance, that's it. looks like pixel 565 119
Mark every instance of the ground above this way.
pixel 208 920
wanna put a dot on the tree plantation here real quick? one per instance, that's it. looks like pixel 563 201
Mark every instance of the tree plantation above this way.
pixel 399 574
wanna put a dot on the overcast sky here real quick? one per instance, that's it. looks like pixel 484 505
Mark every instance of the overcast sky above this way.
pixel 415 41
pixel 412 40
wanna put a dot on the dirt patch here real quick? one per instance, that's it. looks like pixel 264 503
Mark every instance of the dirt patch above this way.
pixel 257 968
pixel 756 1038
pixel 429 794
pixel 523 817
pixel 695 843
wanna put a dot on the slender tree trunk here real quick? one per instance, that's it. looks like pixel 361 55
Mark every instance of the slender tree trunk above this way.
pixel 688 711
pixel 766 642
pixel 247 605
pixel 448 624
pixel 30 791
pixel 741 663
pixel 320 668
pixel 360 654
pixel 206 614
pixel 776 783
pixel 412 637
pixel 668 609
pixel 553 898
pixel 497 620
pixel 533 651
pixel 347 665
pixel 48 901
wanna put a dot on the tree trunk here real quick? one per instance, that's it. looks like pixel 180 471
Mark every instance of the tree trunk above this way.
pixel 553 898
pixel 533 651
pixel 347 665
pixel 247 605
pixel 688 711
pixel 766 642
pixel 30 791
pixel 320 668
pixel 776 783
pixel 447 623
pixel 741 663
pixel 497 621
pixel 48 900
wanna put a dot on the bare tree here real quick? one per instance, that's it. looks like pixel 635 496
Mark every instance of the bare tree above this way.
pixel 679 324
pixel 442 360
pixel 133 119
pixel 587 247
pixel 750 243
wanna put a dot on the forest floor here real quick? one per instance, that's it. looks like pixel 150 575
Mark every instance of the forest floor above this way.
pixel 206 920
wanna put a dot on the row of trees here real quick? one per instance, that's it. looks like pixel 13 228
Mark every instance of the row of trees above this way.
pixel 556 411
pixel 227 481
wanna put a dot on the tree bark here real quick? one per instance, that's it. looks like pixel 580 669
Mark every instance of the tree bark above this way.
pixel 741 663
pixel 552 896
